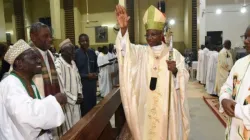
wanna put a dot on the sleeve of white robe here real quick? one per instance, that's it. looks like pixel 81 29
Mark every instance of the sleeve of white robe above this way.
pixel 32 115
pixel 227 89
pixel 99 60
pixel 71 98
pixel 127 51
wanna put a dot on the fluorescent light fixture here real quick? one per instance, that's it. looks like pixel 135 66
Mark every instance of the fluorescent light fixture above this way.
pixel 243 10
pixel 172 22
pixel 109 25
pixel 218 11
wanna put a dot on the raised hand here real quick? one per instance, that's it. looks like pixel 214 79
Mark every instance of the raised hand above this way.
pixel 122 18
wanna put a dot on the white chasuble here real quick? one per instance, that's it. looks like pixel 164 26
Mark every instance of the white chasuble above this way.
pixel 237 88
pixel 146 110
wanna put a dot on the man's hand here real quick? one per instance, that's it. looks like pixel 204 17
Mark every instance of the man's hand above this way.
pixel 172 67
pixel 228 106
pixel 122 18
pixel 79 99
pixel 92 76
pixel 61 98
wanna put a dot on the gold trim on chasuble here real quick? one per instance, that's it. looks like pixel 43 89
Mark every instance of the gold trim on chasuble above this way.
pixel 155 109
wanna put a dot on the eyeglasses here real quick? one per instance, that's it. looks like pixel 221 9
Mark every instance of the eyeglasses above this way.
pixel 245 37
pixel 151 35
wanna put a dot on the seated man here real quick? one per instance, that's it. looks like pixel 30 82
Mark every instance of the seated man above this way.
pixel 24 115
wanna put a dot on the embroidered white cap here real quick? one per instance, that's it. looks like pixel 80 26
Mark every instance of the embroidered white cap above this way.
pixel 65 42
pixel 14 51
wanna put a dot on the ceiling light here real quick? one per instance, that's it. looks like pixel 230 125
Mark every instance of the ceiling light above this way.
pixel 243 10
pixel 172 22
pixel 218 11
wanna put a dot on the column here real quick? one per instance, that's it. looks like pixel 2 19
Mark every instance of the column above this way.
pixel 56 22
pixel 2 23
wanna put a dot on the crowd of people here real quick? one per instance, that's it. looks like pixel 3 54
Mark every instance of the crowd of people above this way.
pixel 230 83
pixel 43 93
pixel 214 65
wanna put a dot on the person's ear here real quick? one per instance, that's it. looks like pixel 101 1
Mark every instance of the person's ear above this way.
pixel 33 37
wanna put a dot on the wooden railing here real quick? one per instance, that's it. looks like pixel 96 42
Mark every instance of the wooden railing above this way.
pixel 96 124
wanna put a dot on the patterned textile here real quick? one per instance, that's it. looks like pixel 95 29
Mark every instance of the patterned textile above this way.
pixel 14 51
pixel 50 88
pixel 213 104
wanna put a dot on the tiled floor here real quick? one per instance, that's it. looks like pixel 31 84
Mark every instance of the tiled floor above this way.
pixel 204 124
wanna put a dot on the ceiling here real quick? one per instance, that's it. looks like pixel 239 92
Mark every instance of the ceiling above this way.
pixel 221 2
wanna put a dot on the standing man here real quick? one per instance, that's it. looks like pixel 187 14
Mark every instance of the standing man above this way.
pixel 47 82
pixel 204 63
pixel 154 110
pixel 24 114
pixel 235 97
pixel 211 72
pixel 70 84
pixel 225 63
pixel 86 62
pixel 200 64
pixel 104 79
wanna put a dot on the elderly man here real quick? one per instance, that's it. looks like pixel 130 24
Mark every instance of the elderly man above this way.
pixel 235 97
pixel 144 81
pixel 24 115
pixel 86 62
pixel 224 65
pixel 70 84
pixel 47 82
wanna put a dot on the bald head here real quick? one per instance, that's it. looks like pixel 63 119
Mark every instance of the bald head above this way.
pixel 227 44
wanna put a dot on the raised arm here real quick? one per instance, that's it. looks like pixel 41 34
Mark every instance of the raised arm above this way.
pixel 122 18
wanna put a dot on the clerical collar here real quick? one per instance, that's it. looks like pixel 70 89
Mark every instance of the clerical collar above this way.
pixel 157 48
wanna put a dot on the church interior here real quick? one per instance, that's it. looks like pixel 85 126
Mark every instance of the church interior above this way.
pixel 194 23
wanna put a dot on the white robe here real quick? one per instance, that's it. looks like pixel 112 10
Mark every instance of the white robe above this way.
pixel 114 68
pixel 23 118
pixel 104 79
pixel 208 55
pixel 199 65
pixel 147 110
pixel 223 68
pixel 204 65
pixel 237 89
pixel 70 84
pixel 211 72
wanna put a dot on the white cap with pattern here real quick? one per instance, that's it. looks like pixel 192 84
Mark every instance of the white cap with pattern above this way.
pixel 14 51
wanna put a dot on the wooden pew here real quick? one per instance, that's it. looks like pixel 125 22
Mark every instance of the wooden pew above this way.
pixel 96 124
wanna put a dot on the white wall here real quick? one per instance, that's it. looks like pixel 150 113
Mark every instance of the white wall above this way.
pixel 233 24
pixel 202 22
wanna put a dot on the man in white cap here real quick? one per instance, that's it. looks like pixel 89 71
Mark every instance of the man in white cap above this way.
pixel 70 84
pixel 24 115
pixel 145 84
